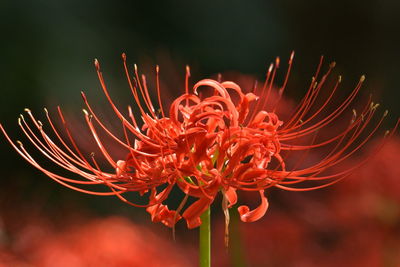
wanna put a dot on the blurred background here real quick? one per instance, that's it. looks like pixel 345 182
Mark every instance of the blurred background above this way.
pixel 47 52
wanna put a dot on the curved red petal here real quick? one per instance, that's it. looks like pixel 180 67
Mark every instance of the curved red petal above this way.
pixel 231 195
pixel 251 216
pixel 161 213
pixel 192 214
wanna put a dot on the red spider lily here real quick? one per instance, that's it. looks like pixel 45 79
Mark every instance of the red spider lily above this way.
pixel 222 141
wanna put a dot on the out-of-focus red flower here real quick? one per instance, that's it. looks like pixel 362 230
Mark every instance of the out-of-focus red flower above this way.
pixel 211 141
pixel 113 241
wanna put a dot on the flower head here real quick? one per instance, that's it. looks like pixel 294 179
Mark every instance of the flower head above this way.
pixel 210 141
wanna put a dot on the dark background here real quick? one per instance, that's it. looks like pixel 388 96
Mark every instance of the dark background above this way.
pixel 47 50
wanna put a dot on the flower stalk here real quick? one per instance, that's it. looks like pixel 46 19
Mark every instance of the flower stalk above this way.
pixel 205 239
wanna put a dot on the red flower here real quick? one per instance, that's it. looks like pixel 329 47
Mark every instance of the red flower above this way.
pixel 112 241
pixel 221 140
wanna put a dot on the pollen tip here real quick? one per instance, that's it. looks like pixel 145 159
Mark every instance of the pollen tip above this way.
pixel 362 78
pixel 123 56
pixel 291 56
pixel 45 110
pixel 40 123
pixel 19 143
pixel 340 78
pixel 332 65
pixel 83 95
pixel 157 68
pixel 96 64
pixel 188 70
pixel 277 61
pixel 385 113
pixel 85 111
pixel 387 132
pixel 219 77
pixel 271 66
pixel 135 66
pixel 27 110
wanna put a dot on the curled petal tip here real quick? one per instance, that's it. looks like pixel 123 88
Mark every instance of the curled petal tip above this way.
pixel 247 215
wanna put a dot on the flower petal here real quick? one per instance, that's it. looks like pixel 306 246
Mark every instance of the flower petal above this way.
pixel 231 196
pixel 161 213
pixel 192 214
pixel 251 216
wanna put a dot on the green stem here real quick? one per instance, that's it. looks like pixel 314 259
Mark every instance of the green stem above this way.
pixel 236 251
pixel 205 240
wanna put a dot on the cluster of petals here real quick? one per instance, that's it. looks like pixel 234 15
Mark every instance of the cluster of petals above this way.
pixel 215 138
